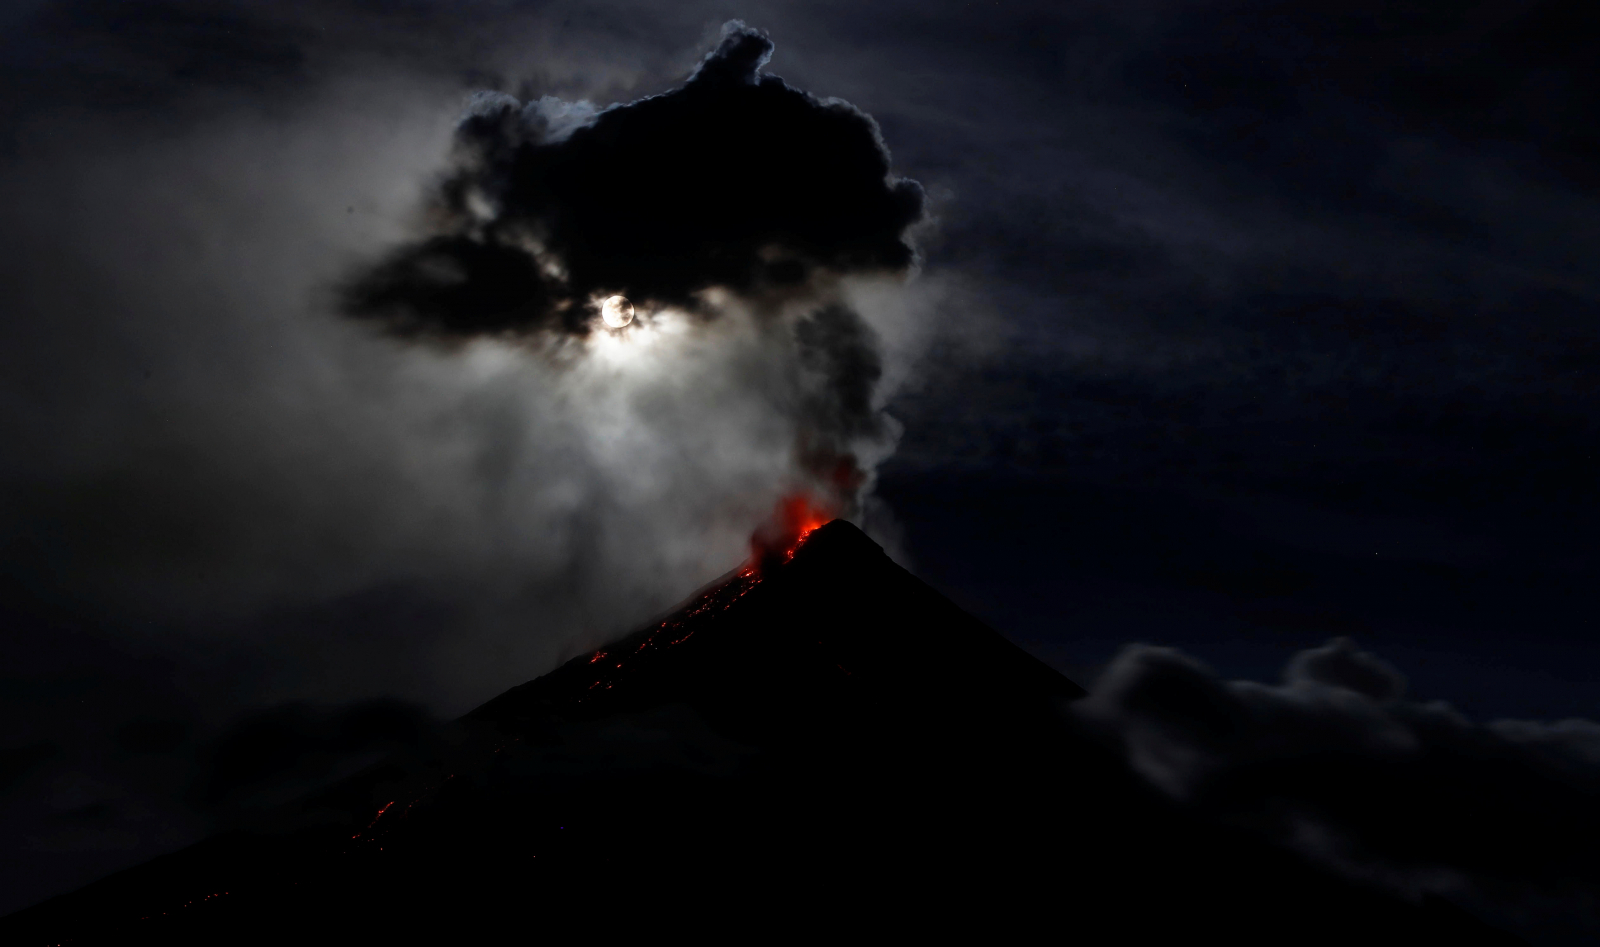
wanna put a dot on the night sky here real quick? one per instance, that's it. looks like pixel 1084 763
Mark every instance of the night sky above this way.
pixel 1228 328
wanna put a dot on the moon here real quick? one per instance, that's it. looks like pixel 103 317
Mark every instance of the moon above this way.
pixel 616 311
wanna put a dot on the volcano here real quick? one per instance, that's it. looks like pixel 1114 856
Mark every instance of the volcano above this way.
pixel 822 746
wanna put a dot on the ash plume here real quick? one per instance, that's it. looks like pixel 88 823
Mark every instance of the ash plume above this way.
pixel 734 180
pixel 733 186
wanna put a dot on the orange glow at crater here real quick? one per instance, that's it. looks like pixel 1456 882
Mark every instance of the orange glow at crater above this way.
pixel 795 518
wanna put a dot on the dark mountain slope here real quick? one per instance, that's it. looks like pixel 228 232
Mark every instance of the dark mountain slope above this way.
pixel 826 747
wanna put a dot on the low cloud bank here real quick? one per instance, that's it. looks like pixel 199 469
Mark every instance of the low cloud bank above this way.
pixel 1338 764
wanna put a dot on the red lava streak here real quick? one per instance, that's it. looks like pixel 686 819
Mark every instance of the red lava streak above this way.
pixel 673 631
pixel 375 819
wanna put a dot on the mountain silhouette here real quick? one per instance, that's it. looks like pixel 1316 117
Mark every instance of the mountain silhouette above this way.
pixel 818 746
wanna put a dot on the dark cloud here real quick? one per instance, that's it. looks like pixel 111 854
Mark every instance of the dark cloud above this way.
pixel 1409 795
pixel 735 180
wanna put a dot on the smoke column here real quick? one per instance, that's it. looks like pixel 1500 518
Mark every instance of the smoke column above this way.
pixel 733 196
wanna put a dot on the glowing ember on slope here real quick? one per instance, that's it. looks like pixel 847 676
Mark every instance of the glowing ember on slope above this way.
pixel 186 904
pixel 375 820
pixel 672 631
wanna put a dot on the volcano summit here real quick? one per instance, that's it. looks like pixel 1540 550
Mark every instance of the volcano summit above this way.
pixel 825 746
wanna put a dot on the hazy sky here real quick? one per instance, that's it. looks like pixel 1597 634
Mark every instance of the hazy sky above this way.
pixel 1235 327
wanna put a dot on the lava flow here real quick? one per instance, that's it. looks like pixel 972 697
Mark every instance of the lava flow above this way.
pixel 773 544
pixel 674 630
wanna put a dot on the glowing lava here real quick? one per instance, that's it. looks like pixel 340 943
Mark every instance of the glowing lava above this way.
pixel 795 518
pixel 672 631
